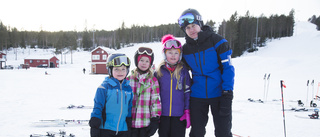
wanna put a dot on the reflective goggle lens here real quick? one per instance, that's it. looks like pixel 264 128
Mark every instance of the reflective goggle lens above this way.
pixel 119 61
pixel 186 19
pixel 143 50
pixel 172 43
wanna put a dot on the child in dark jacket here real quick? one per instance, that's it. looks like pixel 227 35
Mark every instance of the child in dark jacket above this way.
pixel 174 81
pixel 113 101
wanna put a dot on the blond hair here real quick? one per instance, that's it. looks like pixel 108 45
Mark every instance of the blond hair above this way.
pixel 176 72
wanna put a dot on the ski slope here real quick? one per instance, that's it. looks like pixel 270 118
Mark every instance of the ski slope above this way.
pixel 28 96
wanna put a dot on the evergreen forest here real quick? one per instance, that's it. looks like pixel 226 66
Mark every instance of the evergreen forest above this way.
pixel 244 33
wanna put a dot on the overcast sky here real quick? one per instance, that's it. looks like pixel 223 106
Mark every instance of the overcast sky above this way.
pixel 56 15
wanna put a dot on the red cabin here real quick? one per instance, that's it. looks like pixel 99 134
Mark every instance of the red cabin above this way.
pixel 42 62
pixel 3 59
pixel 99 58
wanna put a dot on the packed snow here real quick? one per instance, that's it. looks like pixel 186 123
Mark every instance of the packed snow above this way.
pixel 28 96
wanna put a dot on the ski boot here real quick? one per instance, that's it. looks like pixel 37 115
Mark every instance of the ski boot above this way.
pixel 315 115
pixel 300 103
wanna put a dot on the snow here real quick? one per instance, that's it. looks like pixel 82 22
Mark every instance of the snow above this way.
pixel 28 96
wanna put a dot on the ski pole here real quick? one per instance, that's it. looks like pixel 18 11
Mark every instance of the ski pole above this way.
pixel 318 90
pixel 268 79
pixel 284 121
pixel 307 90
pixel 264 89
pixel 312 84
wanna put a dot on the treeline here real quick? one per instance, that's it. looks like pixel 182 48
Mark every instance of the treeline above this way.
pixel 315 20
pixel 247 33
pixel 241 32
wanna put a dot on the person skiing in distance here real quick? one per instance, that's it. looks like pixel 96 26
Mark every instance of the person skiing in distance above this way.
pixel 111 115
pixel 146 106
pixel 175 82
pixel 209 57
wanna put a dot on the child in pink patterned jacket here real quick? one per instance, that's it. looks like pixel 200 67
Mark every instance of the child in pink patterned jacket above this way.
pixel 146 107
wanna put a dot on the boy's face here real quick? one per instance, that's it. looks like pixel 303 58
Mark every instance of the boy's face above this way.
pixel 119 72
pixel 144 63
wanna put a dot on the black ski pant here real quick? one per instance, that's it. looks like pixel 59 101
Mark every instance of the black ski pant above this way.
pixel 110 133
pixel 139 132
pixel 171 127
pixel 199 109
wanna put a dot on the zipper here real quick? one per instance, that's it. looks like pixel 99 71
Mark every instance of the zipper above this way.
pixel 170 94
pixel 200 62
pixel 117 96
pixel 195 59
pixel 120 109
pixel 206 86
pixel 125 101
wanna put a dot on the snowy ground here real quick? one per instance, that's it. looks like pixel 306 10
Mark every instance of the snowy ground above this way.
pixel 27 96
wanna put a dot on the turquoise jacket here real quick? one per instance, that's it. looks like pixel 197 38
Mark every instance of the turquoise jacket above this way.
pixel 112 104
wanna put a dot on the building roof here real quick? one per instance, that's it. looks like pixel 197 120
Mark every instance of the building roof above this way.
pixel 40 57
pixel 108 50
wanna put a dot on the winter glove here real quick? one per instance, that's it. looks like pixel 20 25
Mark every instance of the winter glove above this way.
pixel 186 116
pixel 94 123
pixel 226 103
pixel 154 125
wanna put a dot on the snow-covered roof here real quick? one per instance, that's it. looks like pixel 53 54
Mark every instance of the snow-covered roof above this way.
pixel 40 57
pixel 108 50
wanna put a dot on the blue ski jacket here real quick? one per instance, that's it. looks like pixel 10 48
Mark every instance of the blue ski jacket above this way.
pixel 209 58
pixel 112 104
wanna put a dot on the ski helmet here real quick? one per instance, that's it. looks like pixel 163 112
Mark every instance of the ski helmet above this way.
pixel 168 42
pixel 190 16
pixel 143 51
pixel 117 60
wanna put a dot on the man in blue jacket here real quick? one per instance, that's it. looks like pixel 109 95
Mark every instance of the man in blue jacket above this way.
pixel 208 55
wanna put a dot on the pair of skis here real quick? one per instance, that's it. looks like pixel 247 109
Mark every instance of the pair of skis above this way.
pixel 61 133
pixel 60 123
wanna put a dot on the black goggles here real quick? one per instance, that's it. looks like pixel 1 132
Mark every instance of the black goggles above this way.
pixel 119 61
pixel 186 19
pixel 145 50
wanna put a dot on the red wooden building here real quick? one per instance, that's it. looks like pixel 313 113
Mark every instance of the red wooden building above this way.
pixel 99 58
pixel 50 62
pixel 3 59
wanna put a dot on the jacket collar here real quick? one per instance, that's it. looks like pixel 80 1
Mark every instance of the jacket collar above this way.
pixel 205 32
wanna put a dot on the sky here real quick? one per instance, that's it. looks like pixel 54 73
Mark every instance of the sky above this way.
pixel 28 96
pixel 56 15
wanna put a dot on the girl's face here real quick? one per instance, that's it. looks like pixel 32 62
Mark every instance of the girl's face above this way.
pixel 192 30
pixel 144 63
pixel 172 55
pixel 119 72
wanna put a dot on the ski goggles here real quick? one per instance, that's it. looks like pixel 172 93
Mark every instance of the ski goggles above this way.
pixel 186 19
pixel 119 61
pixel 172 43
pixel 145 50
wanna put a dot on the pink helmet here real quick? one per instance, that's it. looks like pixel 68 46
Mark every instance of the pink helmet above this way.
pixel 168 42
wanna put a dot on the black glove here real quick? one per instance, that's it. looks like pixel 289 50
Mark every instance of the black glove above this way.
pixel 226 103
pixel 154 125
pixel 94 123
